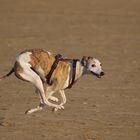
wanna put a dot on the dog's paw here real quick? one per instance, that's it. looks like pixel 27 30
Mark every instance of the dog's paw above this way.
pixel 52 98
pixel 28 111
pixel 38 108
pixel 59 107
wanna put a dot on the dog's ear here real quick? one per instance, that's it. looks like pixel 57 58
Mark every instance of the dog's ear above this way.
pixel 84 60
pixel 89 57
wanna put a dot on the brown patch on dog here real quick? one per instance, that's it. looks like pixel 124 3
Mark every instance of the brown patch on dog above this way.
pixel 18 69
pixel 41 58
pixel 60 74
pixel 44 60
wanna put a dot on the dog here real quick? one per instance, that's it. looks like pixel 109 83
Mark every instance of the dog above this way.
pixel 38 67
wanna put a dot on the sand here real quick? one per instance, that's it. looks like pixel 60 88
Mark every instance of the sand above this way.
pixel 96 109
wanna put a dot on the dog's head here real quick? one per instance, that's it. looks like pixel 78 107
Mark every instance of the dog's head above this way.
pixel 93 66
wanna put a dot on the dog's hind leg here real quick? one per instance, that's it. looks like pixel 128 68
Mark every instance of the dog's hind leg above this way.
pixel 29 75
pixel 39 107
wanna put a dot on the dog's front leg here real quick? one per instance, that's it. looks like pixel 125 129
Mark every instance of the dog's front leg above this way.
pixel 52 98
pixel 63 100
pixel 49 92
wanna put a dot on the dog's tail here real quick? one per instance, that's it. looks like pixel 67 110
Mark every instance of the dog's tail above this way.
pixel 8 74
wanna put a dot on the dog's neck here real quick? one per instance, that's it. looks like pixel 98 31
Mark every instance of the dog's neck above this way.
pixel 80 70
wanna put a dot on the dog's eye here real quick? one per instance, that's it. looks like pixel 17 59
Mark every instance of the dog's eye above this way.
pixel 93 65
pixel 100 64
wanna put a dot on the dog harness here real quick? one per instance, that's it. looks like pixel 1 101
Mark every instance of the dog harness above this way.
pixel 58 58
pixel 72 81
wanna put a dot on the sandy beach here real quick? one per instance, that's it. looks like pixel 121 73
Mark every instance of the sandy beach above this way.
pixel 96 109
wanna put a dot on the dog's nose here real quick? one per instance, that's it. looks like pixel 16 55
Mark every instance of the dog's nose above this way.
pixel 102 73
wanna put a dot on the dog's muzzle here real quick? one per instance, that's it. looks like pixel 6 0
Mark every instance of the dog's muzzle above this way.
pixel 98 75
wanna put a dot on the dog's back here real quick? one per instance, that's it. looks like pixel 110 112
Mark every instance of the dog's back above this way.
pixel 38 60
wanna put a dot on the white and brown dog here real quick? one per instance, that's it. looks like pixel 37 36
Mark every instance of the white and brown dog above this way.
pixel 39 67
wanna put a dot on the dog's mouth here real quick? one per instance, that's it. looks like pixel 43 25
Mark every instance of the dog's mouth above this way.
pixel 98 75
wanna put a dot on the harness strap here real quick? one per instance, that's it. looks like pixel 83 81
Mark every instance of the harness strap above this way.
pixel 73 73
pixel 58 57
